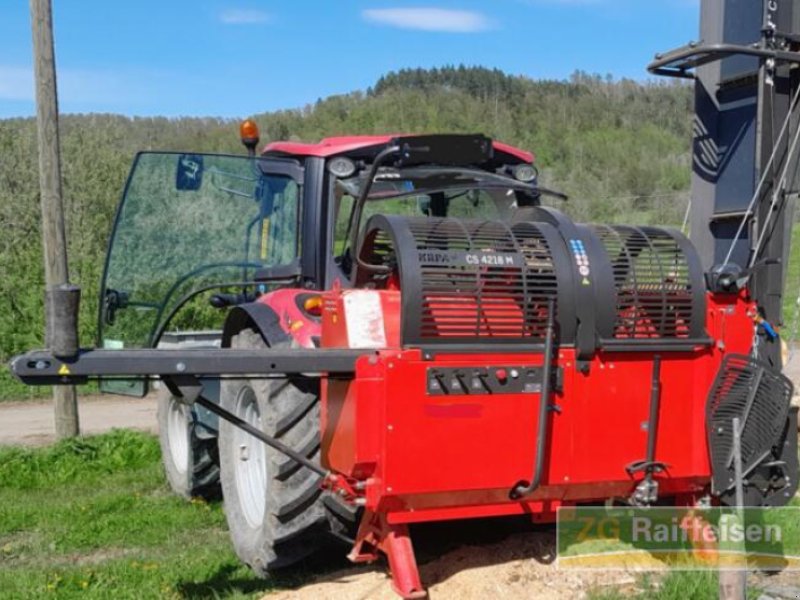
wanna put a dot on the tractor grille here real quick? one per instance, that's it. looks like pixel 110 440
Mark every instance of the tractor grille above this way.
pixel 657 290
pixel 760 397
pixel 468 280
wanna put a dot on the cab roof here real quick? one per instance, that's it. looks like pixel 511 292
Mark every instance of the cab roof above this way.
pixel 365 145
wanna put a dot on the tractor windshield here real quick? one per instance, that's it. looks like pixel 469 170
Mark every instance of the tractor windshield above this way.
pixel 431 191
pixel 190 223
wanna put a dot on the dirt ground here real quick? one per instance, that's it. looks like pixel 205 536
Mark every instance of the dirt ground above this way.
pixel 30 423
pixel 500 558
pixel 511 570
pixel 504 564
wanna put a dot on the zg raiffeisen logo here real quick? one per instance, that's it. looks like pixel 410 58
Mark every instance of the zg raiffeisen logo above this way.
pixel 663 538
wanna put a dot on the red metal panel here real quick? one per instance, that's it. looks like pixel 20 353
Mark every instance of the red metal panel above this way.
pixel 453 443
pixel 430 457
pixel 351 414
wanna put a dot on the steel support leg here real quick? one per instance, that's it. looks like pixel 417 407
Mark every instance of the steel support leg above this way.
pixel 376 535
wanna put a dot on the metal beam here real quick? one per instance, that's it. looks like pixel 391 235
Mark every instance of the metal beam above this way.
pixel 682 62
pixel 40 367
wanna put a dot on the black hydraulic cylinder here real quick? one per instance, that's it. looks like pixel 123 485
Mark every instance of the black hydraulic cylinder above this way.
pixel 523 488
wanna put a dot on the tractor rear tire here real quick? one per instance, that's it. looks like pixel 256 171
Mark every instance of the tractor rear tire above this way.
pixel 275 508
pixel 188 452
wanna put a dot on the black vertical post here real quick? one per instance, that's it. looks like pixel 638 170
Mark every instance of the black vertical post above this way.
pixel 741 104
pixel 774 216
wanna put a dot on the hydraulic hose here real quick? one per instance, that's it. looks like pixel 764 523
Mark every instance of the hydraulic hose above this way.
pixel 523 488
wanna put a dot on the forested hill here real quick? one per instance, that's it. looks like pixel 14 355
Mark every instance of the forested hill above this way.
pixel 611 145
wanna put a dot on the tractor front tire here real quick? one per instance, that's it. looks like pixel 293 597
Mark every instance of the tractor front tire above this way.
pixel 273 506
pixel 188 451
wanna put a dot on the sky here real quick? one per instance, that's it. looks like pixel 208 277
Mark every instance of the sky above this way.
pixel 234 58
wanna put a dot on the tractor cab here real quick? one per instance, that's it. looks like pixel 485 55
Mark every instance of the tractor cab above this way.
pixel 198 232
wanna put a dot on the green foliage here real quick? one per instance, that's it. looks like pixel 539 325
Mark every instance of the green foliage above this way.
pixel 77 460
pixel 93 518
pixel 791 299
pixel 678 585
pixel 611 145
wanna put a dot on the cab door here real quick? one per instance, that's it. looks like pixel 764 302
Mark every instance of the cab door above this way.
pixel 188 226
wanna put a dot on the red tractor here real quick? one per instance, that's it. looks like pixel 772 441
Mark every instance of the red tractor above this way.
pixel 412 336
pixel 272 232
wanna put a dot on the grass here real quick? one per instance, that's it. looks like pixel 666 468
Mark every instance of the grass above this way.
pixel 13 390
pixel 680 585
pixel 93 518
pixel 792 291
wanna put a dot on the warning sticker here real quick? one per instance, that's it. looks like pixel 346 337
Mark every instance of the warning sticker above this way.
pixel 364 317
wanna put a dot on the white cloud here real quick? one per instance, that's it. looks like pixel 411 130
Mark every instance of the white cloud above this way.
pixel 429 19
pixel 238 16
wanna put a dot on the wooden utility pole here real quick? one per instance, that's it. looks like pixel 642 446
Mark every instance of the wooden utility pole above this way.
pixel 53 236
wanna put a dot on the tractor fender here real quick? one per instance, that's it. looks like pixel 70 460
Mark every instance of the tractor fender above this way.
pixel 277 316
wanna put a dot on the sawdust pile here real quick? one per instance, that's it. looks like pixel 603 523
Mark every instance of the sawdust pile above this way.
pixel 518 565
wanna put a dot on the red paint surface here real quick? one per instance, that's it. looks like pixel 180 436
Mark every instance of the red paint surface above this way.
pixel 300 326
pixel 442 457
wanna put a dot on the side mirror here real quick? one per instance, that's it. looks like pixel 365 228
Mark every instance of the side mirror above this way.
pixel 189 173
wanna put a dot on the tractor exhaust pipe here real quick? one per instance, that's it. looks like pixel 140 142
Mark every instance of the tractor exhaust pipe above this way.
pixel 523 488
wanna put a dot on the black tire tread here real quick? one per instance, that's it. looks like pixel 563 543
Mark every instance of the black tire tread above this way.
pixel 296 519
pixel 286 466
pixel 202 479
